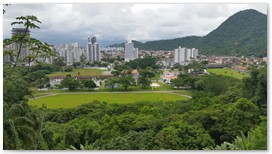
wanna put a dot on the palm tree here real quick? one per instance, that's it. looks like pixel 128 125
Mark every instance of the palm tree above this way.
pixel 18 129
pixel 38 127
pixel 87 146
pixel 240 143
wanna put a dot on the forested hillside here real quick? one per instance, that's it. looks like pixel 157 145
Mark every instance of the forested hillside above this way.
pixel 244 33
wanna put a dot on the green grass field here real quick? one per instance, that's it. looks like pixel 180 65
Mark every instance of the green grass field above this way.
pixel 78 71
pixel 228 72
pixel 74 100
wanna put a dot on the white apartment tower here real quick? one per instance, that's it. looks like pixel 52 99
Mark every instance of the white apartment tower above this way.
pixel 176 55
pixel 180 55
pixel 194 53
pixel 184 55
pixel 15 47
pixel 188 54
pixel 69 57
pixel 130 52
pixel 77 51
pixel 136 53
pixel 93 49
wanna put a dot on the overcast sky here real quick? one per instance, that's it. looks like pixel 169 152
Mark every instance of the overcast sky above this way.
pixel 113 23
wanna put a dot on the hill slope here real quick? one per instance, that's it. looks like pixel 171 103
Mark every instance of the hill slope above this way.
pixel 244 33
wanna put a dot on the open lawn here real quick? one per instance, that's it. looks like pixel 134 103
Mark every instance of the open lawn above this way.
pixel 228 72
pixel 74 100
pixel 79 71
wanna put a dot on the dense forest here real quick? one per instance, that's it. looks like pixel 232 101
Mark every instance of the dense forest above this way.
pixel 244 33
pixel 222 113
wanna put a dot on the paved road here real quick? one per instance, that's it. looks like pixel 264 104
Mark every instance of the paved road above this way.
pixel 163 91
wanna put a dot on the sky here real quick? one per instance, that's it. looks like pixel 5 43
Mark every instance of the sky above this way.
pixel 116 23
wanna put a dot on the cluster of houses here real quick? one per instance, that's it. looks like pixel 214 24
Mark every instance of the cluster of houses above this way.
pixel 167 76
pixel 56 80
pixel 243 69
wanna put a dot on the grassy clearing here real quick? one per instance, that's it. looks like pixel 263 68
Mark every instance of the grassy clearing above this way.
pixel 79 71
pixel 74 100
pixel 229 72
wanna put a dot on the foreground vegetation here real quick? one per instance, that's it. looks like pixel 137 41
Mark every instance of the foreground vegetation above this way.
pixel 74 100
pixel 214 118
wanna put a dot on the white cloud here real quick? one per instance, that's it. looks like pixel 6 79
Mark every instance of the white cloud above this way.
pixel 123 21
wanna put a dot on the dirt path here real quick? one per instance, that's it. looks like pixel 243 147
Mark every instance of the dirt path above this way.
pixel 50 94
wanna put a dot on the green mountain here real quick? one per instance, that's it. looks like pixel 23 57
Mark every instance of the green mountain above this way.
pixel 244 33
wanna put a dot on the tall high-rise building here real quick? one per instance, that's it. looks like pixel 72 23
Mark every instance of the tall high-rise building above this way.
pixel 7 57
pixel 136 52
pixel 176 55
pixel 47 59
pixel 69 57
pixel 194 53
pixel 17 46
pixel 62 53
pixel 93 49
pixel 188 54
pixel 131 53
pixel 184 55
pixel 77 52
pixel 180 55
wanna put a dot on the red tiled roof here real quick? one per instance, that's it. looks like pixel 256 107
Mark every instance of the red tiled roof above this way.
pixel 134 72
pixel 170 77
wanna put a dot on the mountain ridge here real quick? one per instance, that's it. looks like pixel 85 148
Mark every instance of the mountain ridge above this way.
pixel 243 33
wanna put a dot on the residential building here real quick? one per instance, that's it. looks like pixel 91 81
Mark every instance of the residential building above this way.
pixel 180 55
pixel 69 57
pixel 15 46
pixel 183 56
pixel 136 53
pixel 77 52
pixel 7 57
pixel 93 49
pixel 131 53
pixel 135 74
pixel 188 54
pixel 168 76
pixel 54 81
pixel 194 53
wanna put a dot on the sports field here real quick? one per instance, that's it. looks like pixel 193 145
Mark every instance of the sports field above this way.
pixel 78 71
pixel 228 72
pixel 74 100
